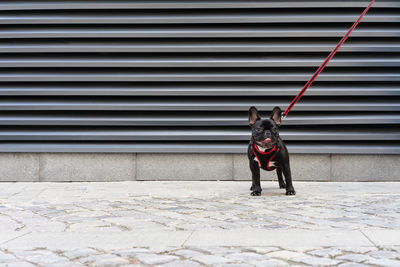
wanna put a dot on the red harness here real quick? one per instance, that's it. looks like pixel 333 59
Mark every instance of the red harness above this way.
pixel 265 157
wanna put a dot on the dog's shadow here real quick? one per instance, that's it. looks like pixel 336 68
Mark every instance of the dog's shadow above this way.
pixel 270 191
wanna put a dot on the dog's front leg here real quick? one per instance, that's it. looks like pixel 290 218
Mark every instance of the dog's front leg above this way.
pixel 255 176
pixel 280 178
pixel 288 179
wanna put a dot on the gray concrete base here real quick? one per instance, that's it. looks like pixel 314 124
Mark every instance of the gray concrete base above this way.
pixel 128 167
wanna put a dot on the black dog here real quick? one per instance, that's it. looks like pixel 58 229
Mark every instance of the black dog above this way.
pixel 267 147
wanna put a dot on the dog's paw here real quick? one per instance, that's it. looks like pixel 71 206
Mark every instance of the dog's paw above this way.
pixel 256 193
pixel 282 186
pixel 290 192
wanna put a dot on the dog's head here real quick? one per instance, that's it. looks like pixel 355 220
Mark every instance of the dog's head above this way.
pixel 265 132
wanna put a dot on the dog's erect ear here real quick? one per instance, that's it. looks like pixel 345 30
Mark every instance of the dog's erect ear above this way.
pixel 276 116
pixel 253 115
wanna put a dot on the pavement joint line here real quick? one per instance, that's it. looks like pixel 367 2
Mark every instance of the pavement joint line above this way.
pixel 189 236
pixel 369 239
pixel 38 194
pixel 30 232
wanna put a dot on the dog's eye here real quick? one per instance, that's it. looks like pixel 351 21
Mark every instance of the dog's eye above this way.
pixel 259 130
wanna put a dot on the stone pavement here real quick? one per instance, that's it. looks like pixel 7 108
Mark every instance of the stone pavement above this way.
pixel 199 224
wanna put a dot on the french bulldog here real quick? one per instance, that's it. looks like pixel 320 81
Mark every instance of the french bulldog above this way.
pixel 268 151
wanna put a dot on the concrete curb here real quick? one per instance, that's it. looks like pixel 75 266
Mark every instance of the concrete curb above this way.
pixel 66 167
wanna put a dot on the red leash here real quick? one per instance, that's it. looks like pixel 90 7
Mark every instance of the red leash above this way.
pixel 319 70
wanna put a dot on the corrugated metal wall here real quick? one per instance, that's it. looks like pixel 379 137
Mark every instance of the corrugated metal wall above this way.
pixel 179 76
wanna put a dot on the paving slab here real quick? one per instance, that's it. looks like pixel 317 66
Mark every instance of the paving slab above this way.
pixel 19 167
pixel 380 237
pixel 100 240
pixel 260 237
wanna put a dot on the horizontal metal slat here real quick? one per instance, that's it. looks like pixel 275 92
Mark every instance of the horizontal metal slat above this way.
pixel 126 147
pixel 146 17
pixel 197 90
pixel 187 32
pixel 192 76
pixel 223 105
pixel 195 61
pixel 195 46
pixel 124 4
pixel 190 135
pixel 192 120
